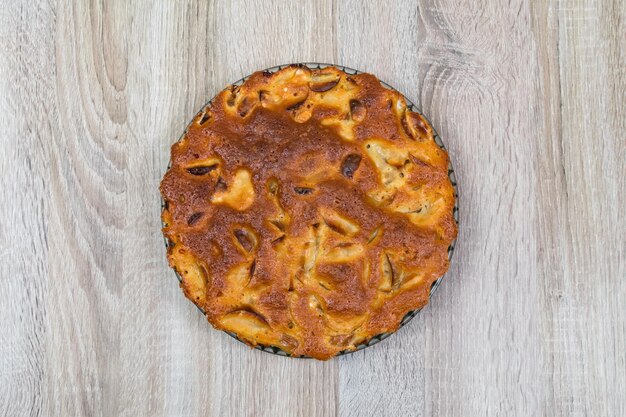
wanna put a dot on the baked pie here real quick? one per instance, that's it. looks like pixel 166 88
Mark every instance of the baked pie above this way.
pixel 308 209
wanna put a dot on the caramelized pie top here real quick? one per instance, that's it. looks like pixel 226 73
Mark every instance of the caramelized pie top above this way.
pixel 308 210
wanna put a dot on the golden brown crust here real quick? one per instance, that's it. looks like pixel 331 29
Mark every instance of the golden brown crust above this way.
pixel 308 210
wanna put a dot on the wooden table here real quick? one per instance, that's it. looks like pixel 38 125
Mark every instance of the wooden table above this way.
pixel 530 100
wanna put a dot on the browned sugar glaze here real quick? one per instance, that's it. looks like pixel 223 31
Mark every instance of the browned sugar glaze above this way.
pixel 308 210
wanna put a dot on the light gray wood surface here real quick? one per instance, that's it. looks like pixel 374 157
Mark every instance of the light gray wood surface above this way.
pixel 530 99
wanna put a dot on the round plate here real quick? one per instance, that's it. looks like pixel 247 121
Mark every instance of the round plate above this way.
pixel 375 339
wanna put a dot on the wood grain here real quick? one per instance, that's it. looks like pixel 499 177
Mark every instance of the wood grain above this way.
pixel 531 318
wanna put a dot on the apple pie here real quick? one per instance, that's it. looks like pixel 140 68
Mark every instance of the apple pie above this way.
pixel 308 209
